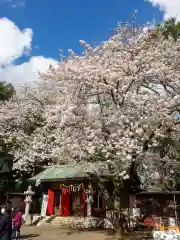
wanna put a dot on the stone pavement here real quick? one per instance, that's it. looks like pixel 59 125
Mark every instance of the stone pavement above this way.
pixel 55 233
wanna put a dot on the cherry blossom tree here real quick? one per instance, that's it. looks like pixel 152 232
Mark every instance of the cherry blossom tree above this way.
pixel 6 94
pixel 6 159
pixel 111 106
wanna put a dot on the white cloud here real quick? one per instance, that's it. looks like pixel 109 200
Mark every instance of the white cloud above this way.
pixel 171 8
pixel 27 71
pixel 15 43
pixel 18 4
pixel 14 3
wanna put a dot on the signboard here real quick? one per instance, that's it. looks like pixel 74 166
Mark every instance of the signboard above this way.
pixel 44 205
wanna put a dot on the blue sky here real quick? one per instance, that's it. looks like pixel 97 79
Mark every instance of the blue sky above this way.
pixel 33 31
pixel 62 23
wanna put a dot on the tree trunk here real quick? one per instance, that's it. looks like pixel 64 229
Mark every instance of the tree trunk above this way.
pixel 119 219
pixel 119 226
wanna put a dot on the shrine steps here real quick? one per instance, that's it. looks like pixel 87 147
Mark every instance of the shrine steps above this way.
pixel 67 222
pixel 46 221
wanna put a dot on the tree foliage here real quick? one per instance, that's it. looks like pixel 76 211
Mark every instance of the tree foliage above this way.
pixel 6 91
pixel 117 101
pixel 6 159
pixel 170 28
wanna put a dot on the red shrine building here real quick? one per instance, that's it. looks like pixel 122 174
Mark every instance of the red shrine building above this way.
pixel 65 189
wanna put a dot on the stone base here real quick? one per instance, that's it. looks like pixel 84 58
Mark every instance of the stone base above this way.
pixel 89 223
pixel 28 220
pixel 108 224
pixel 78 222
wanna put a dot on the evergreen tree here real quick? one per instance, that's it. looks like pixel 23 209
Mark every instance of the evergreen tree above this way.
pixel 170 28
pixel 6 91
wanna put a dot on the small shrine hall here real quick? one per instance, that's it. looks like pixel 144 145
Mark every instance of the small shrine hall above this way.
pixel 66 189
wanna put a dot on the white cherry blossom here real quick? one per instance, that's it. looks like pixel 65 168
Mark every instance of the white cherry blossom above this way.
pixel 117 100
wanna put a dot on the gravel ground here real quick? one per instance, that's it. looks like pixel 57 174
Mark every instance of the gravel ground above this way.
pixel 53 233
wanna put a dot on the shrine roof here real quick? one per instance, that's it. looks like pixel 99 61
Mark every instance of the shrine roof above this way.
pixel 61 172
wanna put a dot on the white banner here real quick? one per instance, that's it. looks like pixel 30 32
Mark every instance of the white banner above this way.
pixel 44 205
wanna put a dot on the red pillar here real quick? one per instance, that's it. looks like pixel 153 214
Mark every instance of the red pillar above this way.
pixel 65 203
pixel 51 198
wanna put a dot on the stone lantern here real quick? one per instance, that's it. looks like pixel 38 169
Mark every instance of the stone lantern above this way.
pixel 28 200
